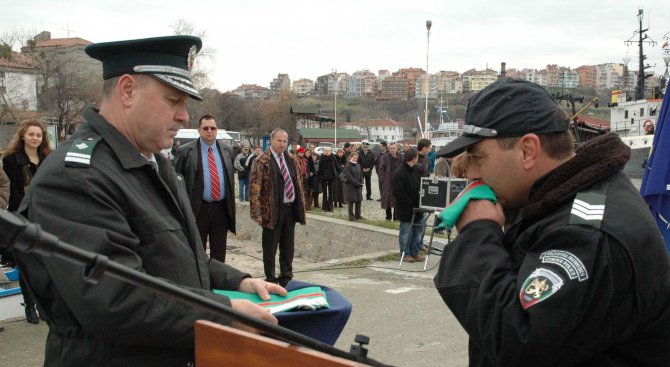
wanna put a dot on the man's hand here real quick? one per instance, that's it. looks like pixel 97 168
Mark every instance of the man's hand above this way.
pixel 261 287
pixel 251 309
pixel 481 209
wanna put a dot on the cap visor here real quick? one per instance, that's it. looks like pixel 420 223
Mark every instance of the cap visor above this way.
pixel 457 146
pixel 180 83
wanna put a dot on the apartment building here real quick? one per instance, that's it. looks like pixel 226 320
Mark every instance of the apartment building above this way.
pixel 282 83
pixel 252 91
pixel 393 88
pixel 476 80
pixel 303 87
pixel 362 83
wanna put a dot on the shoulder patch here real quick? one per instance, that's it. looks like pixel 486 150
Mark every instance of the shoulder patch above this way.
pixel 572 265
pixel 80 152
pixel 539 285
pixel 588 209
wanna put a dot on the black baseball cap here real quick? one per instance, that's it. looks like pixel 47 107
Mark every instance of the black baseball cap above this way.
pixel 167 59
pixel 504 109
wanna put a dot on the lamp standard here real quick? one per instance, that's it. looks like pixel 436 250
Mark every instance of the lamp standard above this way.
pixel 426 133
pixel 337 82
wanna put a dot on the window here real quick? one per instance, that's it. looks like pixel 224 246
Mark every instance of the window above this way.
pixel 625 114
pixel 3 89
pixel 641 112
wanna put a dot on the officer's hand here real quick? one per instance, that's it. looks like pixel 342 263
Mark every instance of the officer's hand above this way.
pixel 481 209
pixel 251 309
pixel 261 287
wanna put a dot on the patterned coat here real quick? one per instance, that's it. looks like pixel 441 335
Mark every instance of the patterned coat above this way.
pixel 387 168
pixel 265 188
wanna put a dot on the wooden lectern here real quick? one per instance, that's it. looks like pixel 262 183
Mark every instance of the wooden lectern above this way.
pixel 219 345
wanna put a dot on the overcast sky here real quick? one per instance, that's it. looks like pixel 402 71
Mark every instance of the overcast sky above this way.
pixel 254 40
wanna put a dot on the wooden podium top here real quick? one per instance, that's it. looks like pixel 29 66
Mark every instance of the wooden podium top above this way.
pixel 219 345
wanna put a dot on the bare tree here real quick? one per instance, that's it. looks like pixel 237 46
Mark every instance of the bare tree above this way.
pixel 199 73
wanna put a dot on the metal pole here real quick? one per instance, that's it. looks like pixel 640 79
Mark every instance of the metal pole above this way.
pixel 426 130
pixel 336 86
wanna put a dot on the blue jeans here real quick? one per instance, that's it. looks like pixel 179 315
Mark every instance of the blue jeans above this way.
pixel 244 188
pixel 409 238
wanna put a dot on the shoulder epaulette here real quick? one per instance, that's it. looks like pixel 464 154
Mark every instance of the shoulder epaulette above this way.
pixel 80 152
pixel 588 208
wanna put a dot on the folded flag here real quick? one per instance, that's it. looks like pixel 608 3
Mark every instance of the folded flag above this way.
pixel 309 298
pixel 475 191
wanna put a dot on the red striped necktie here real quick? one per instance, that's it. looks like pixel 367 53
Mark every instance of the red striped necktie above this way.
pixel 214 175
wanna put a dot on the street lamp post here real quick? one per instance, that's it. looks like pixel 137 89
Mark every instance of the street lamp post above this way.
pixel 337 82
pixel 426 133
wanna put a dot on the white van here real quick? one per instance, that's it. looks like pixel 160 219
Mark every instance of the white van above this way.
pixel 188 135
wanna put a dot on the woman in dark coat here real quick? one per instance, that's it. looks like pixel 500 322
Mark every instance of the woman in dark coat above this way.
pixel 327 173
pixel 314 184
pixel 25 153
pixel 338 187
pixel 353 184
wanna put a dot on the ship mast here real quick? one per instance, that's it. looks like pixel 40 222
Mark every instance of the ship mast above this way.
pixel 642 39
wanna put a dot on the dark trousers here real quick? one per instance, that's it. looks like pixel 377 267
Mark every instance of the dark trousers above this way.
pixel 354 210
pixel 327 201
pixel 213 223
pixel 368 185
pixel 280 237
pixel 307 198
pixel 315 196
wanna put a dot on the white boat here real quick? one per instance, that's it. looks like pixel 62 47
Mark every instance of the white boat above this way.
pixel 635 123
pixel 10 295
pixel 447 131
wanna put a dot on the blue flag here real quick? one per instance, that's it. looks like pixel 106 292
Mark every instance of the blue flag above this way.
pixel 655 187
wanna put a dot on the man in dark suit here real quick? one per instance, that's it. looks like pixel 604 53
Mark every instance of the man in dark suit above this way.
pixel 276 204
pixel 207 167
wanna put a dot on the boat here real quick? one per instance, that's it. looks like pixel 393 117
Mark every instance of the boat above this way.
pixel 635 122
pixel 447 131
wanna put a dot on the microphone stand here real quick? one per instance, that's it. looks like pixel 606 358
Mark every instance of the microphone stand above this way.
pixel 29 238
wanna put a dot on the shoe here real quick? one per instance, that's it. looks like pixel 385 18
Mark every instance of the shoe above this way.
pixel 284 281
pixel 360 218
pixel 424 248
pixel 419 258
pixel 352 219
pixel 408 259
pixel 369 199
pixel 379 199
pixel 31 313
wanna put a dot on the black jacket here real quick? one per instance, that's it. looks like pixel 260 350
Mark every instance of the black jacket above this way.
pixel 581 278
pixel 328 168
pixel 366 161
pixel 119 206
pixel 19 168
pixel 406 185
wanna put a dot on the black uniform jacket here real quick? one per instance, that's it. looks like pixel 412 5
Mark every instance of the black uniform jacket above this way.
pixel 581 278
pixel 121 207
pixel 189 164
pixel 406 184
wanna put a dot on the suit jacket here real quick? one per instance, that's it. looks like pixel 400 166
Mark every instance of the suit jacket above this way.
pixel 266 186
pixel 189 164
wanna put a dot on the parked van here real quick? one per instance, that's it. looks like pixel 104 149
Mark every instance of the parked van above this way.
pixel 188 135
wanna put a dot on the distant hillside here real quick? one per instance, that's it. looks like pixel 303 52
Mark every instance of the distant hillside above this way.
pixel 405 112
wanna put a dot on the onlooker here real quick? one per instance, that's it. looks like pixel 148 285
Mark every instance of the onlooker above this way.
pixel 327 172
pixel 442 167
pixel 338 185
pixel 108 190
pixel 382 151
pixel 431 159
pixel 366 159
pixel 582 277
pixel 315 183
pixel 406 184
pixel 387 167
pixel 354 187
pixel 25 154
pixel 4 189
pixel 243 173
pixel 276 205
pixel 207 167
pixel 305 156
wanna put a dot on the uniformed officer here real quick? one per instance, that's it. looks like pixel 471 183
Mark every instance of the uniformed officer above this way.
pixel 107 190
pixel 581 277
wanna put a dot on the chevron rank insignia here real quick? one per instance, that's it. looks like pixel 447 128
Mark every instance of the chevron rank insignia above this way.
pixel 588 209
pixel 79 154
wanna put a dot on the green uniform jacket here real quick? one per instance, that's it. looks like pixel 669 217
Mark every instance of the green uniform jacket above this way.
pixel 118 206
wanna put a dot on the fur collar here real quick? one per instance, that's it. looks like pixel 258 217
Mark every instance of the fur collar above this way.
pixel 597 159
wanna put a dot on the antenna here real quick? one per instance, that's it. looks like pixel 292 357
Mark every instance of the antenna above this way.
pixel 642 39
pixel 68 30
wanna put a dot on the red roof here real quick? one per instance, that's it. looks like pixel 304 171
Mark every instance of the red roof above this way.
pixel 19 61
pixel 62 42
